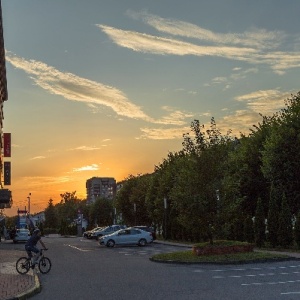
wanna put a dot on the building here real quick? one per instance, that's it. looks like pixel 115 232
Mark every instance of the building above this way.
pixel 5 199
pixel 104 187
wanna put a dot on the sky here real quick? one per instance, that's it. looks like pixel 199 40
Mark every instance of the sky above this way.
pixel 108 88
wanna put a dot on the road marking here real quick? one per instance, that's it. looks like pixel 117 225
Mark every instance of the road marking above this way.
pixel 83 250
pixel 290 293
pixel 270 283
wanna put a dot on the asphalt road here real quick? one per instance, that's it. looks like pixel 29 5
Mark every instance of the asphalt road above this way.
pixel 82 269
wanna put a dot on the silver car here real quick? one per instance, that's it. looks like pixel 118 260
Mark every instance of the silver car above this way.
pixel 128 236
pixel 22 235
pixel 106 230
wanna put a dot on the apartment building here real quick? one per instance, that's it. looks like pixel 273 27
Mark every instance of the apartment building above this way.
pixel 104 187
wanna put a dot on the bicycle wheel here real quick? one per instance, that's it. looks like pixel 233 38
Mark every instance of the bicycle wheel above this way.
pixel 45 265
pixel 23 265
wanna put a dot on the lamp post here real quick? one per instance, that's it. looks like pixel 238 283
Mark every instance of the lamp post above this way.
pixel 28 198
pixel 134 208
pixel 165 217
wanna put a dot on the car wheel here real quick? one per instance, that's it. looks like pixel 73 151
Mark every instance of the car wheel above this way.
pixel 110 243
pixel 142 242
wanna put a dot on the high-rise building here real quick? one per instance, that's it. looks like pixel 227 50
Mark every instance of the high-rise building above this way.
pixel 104 187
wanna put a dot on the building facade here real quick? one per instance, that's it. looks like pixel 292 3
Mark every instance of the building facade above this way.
pixel 5 194
pixel 100 187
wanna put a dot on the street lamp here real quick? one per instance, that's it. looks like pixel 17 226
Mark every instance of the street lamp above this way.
pixel 29 203
pixel 165 217
pixel 134 208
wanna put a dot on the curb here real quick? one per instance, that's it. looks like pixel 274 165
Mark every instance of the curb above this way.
pixel 225 262
pixel 35 290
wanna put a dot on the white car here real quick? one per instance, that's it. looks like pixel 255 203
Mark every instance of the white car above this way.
pixel 22 235
pixel 128 236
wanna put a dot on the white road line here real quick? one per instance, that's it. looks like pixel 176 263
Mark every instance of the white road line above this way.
pixel 270 283
pixel 290 293
pixel 83 250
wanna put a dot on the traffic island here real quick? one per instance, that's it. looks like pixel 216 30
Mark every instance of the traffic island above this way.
pixel 222 247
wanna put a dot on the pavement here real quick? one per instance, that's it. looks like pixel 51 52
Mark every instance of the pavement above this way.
pixel 14 286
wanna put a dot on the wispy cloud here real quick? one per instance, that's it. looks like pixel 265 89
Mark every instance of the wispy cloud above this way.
pixel 163 133
pixel 265 102
pixel 85 148
pixel 256 46
pixel 146 43
pixel 75 88
pixel 257 38
pixel 237 74
pixel 92 93
pixel 37 157
pixel 174 117
pixel 93 167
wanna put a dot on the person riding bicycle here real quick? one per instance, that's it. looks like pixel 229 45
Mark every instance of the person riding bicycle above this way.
pixel 30 245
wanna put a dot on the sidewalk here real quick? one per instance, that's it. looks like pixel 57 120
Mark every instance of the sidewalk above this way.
pixel 13 285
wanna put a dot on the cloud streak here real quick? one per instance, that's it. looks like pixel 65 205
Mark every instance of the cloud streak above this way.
pixel 254 47
pixel 93 167
pixel 76 88
pixel 259 38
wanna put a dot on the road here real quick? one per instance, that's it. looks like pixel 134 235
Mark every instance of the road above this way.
pixel 82 269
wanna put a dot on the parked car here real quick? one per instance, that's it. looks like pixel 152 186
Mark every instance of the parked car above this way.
pixel 87 234
pixel 149 229
pixel 106 230
pixel 22 235
pixel 128 236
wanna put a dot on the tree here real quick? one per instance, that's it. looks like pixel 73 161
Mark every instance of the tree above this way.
pixel 248 230
pixel 102 211
pixel 50 215
pixel 259 224
pixel 285 228
pixel 273 216
pixel 297 230
pixel 281 151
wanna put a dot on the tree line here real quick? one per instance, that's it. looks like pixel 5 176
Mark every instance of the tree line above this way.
pixel 218 186
pixel 221 186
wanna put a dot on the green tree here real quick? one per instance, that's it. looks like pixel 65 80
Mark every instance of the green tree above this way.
pixel 273 216
pixel 101 211
pixel 285 228
pixel 297 230
pixel 259 224
pixel 50 216
pixel 281 151
pixel 248 230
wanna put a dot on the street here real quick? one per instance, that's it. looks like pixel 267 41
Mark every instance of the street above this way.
pixel 82 269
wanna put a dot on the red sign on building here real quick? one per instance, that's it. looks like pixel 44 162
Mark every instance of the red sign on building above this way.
pixel 7 144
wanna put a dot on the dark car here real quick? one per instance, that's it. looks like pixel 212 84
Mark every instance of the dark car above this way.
pixel 149 229
pixel 88 233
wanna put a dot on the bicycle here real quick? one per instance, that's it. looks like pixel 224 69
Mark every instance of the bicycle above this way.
pixel 24 264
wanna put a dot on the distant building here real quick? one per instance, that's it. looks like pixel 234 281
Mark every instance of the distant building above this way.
pixel 104 187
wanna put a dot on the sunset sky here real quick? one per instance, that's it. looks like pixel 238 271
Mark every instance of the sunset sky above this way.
pixel 107 88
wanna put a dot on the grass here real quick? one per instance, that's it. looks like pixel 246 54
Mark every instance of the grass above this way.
pixel 188 257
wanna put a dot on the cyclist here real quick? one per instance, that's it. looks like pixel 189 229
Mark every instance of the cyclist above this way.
pixel 30 245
